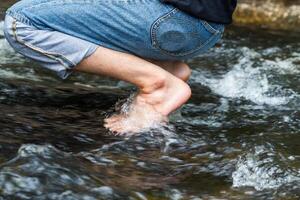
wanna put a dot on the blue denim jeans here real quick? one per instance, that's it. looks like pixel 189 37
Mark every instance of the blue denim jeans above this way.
pixel 60 33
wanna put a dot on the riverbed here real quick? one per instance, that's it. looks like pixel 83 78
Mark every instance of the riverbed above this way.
pixel 236 138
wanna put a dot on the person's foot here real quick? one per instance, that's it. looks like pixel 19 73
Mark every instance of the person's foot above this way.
pixel 137 117
pixel 150 107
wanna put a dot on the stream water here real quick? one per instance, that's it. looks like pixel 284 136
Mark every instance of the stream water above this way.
pixel 237 138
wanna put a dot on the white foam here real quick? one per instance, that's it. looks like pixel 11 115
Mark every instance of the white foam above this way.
pixel 258 169
pixel 104 191
pixel 246 81
pixel 271 51
pixel 285 66
pixel 175 194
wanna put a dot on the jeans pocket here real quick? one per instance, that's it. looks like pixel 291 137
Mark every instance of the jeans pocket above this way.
pixel 179 35
pixel 214 28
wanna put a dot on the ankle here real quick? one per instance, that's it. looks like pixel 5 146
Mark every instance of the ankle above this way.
pixel 154 84
pixel 166 99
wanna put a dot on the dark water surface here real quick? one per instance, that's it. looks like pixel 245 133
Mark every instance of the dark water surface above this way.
pixel 237 138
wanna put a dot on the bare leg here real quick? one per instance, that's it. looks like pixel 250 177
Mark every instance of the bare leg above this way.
pixel 159 91
pixel 177 68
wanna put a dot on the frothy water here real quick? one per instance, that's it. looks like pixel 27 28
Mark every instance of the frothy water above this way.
pixel 257 169
pixel 285 66
pixel 250 79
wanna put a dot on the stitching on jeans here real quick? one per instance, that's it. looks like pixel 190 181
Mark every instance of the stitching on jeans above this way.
pixel 19 17
pixel 25 20
pixel 156 24
pixel 58 57
pixel 59 2
pixel 209 27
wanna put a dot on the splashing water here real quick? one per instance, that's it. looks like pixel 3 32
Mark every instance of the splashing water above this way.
pixel 138 115
pixel 257 169
pixel 249 82
pixel 290 65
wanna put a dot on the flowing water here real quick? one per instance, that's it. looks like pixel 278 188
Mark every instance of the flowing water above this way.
pixel 237 138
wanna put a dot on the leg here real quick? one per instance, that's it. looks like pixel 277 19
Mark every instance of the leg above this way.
pixel 178 68
pixel 159 91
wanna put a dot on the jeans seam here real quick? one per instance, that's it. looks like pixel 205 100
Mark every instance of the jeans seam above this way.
pixel 156 24
pixel 59 2
pixel 19 17
pixel 56 56
pixel 209 27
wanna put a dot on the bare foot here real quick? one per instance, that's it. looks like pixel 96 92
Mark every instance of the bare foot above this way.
pixel 138 116
pixel 150 107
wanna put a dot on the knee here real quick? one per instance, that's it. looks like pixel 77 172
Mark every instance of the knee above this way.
pixel 182 70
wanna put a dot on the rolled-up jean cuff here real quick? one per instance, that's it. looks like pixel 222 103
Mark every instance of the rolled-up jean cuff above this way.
pixel 54 50
pixel 67 71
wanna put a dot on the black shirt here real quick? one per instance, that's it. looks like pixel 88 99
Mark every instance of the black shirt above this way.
pixel 219 11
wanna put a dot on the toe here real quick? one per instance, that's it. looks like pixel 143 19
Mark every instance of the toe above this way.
pixel 111 119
